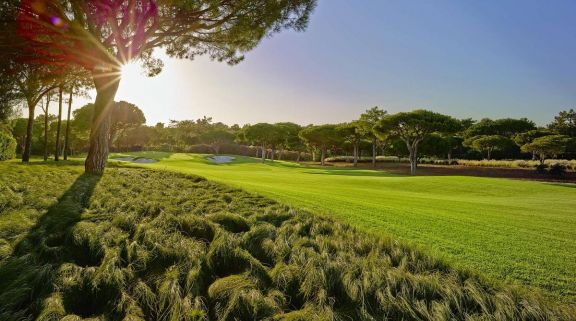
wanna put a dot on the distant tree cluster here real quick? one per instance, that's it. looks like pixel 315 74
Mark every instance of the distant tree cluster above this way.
pixel 415 135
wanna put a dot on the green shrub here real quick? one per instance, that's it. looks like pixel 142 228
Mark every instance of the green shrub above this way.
pixel 7 146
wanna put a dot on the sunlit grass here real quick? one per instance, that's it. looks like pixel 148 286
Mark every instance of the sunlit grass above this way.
pixel 516 230
pixel 136 244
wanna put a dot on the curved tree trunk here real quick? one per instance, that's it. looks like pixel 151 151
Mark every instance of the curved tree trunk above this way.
pixel 46 128
pixel 57 149
pixel 322 156
pixel 29 127
pixel 106 88
pixel 67 134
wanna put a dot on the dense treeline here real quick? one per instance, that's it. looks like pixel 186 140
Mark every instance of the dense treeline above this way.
pixel 414 135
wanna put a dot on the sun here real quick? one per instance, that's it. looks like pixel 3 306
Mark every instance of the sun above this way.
pixel 131 72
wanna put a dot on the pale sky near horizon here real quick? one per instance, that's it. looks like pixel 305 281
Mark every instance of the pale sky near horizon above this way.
pixel 464 58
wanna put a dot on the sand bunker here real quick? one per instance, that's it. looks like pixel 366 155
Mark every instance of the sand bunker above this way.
pixel 221 159
pixel 139 160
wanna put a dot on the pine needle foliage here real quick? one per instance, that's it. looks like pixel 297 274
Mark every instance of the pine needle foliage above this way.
pixel 136 244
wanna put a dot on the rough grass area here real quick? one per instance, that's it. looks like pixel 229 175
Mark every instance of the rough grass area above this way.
pixel 136 244
pixel 520 231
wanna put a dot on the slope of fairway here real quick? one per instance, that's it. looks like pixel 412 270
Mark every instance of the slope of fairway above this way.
pixel 517 230
pixel 138 244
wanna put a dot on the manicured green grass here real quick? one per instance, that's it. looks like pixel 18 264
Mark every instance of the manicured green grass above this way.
pixel 516 230
pixel 138 244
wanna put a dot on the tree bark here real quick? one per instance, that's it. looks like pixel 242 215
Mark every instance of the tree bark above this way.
pixel 57 149
pixel 322 155
pixel 298 157
pixel 489 152
pixel 29 127
pixel 273 151
pixel 106 87
pixel 67 134
pixel 46 128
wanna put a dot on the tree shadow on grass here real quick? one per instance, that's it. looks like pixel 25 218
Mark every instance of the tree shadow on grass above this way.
pixel 26 276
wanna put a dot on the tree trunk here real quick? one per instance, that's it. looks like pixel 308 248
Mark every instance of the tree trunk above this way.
pixel 263 154
pixel 46 128
pixel 57 149
pixel 273 151
pixel 533 155
pixel 67 134
pixel 298 157
pixel 355 154
pixel 322 156
pixel 28 142
pixel 413 150
pixel 489 152
pixel 374 152
pixel 413 162
pixel 257 154
pixel 106 88
pixel 449 157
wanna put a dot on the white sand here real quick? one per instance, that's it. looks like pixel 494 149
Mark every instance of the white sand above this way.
pixel 221 159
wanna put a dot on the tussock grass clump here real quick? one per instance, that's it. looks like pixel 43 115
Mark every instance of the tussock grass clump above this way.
pixel 136 244
pixel 231 222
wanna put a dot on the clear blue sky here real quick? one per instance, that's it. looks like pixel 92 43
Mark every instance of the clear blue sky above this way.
pixel 464 58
